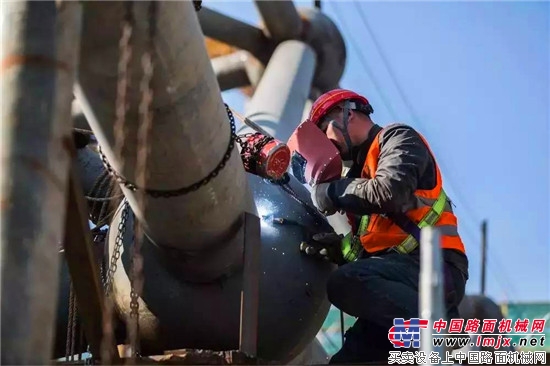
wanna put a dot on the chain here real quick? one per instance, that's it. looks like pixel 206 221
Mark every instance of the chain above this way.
pixel 121 230
pixel 73 326
pixel 123 83
pixel 141 166
pixel 136 284
pixel 156 193
pixel 108 334
pixel 70 320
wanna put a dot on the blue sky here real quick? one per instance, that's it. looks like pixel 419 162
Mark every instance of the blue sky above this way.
pixel 473 77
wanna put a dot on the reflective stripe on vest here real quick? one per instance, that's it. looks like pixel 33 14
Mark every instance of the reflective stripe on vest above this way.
pixel 431 217
pixel 351 245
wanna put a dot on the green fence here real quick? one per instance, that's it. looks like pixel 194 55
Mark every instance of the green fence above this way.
pixel 330 335
pixel 529 311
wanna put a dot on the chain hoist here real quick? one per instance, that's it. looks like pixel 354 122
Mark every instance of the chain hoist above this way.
pixel 261 153
pixel 251 146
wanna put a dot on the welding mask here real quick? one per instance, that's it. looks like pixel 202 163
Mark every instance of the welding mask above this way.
pixel 314 158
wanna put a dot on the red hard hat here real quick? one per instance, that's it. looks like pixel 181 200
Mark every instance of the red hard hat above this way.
pixel 327 101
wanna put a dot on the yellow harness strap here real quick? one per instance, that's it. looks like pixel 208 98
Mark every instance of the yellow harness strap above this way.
pixel 351 245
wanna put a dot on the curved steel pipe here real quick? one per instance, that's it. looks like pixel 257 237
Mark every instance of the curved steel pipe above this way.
pixel 236 33
pixel 280 18
pixel 278 102
pixel 191 128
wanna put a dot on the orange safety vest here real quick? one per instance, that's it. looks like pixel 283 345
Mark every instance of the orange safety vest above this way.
pixel 377 232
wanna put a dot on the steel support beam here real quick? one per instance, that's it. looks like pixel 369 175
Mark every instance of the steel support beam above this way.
pixel 191 128
pixel 280 18
pixel 83 267
pixel 237 70
pixel 230 70
pixel 236 33
pixel 40 41
pixel 278 103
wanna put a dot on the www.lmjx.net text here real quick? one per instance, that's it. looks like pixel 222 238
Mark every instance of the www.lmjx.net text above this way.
pixel 496 341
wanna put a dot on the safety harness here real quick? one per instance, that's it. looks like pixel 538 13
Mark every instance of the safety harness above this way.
pixel 351 244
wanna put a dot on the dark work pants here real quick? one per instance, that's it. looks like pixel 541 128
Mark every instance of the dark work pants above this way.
pixel 376 290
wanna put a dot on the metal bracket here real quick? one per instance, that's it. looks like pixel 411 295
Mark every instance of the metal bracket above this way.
pixel 250 294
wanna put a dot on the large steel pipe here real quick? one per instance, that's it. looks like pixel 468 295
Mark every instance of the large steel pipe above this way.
pixel 236 33
pixel 191 129
pixel 175 313
pixel 40 41
pixel 280 18
pixel 278 103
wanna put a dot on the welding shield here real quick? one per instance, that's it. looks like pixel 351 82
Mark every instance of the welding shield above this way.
pixel 314 158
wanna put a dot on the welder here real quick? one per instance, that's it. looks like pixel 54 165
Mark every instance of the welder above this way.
pixel 393 188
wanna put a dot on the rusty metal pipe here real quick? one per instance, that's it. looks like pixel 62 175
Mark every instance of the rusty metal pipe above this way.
pixel 40 42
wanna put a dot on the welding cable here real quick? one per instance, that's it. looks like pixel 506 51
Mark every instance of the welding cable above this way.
pixel 247 121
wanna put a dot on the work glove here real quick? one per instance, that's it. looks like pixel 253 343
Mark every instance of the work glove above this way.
pixel 333 247
pixel 327 246
pixel 321 199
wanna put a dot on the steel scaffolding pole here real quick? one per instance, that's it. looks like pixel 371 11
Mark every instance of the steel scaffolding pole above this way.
pixel 431 303
pixel 40 41
pixel 191 130
pixel 278 102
